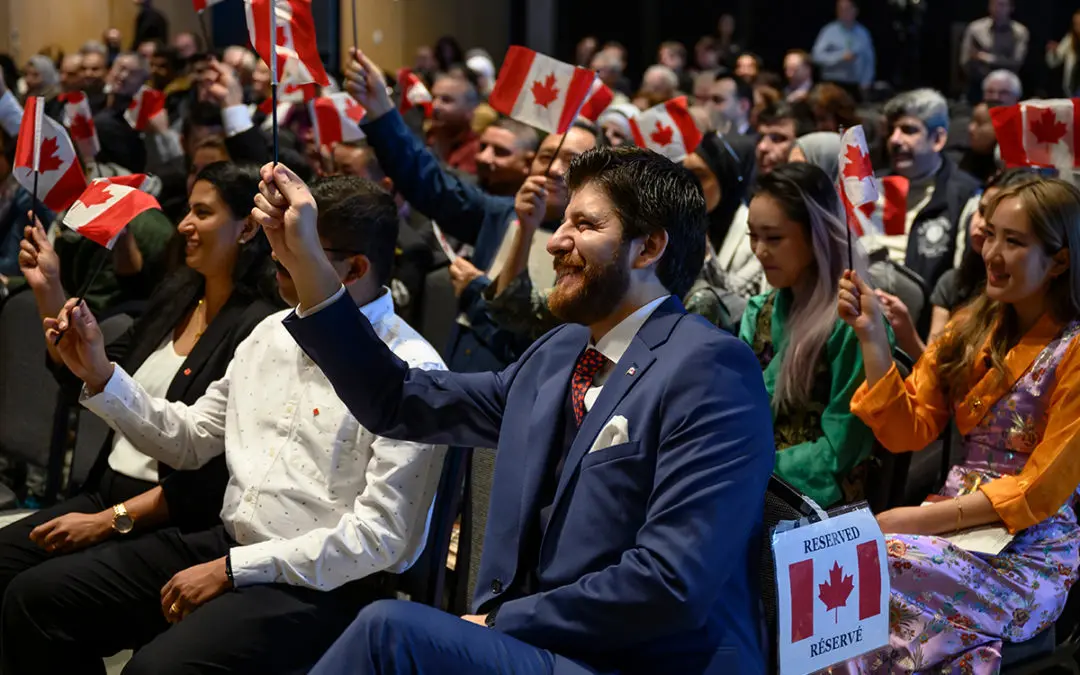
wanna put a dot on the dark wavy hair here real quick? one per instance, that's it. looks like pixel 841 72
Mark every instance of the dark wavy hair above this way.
pixel 649 193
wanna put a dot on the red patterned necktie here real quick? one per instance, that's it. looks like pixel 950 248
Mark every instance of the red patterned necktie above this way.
pixel 587 367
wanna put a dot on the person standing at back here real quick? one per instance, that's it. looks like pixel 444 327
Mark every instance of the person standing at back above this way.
pixel 623 442
pixel 991 43
pixel 844 51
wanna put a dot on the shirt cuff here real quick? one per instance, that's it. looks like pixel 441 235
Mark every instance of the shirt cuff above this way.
pixel 1006 494
pixel 236 119
pixel 252 565
pixel 10 114
pixel 304 313
pixel 119 391
pixel 868 401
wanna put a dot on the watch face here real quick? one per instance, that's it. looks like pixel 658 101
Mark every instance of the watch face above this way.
pixel 123 524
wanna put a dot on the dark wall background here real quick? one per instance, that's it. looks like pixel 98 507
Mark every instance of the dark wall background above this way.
pixel 771 27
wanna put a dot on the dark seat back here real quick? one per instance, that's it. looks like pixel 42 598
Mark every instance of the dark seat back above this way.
pixel 424 582
pixel 782 502
pixel 33 418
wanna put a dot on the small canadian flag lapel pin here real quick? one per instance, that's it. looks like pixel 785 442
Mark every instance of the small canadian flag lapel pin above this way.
pixel 631 371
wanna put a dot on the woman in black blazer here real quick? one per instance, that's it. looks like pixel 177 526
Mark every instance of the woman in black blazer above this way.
pixel 201 312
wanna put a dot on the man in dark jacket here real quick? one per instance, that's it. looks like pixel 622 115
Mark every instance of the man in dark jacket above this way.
pixel 924 199
pixel 462 210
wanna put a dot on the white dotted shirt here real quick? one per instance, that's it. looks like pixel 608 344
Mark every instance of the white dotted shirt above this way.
pixel 313 499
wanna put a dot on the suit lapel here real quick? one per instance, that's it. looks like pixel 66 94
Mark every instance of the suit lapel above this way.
pixel 218 329
pixel 630 370
pixel 156 328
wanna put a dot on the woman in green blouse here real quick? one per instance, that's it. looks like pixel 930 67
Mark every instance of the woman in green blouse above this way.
pixel 810 357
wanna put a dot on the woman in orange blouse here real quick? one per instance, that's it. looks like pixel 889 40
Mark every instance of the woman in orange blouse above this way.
pixel 1007 370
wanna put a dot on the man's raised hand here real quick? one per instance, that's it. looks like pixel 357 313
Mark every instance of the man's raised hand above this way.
pixel 288 214
pixel 365 82
pixel 287 211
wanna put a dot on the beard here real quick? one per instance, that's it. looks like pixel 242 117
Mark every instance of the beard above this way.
pixel 594 290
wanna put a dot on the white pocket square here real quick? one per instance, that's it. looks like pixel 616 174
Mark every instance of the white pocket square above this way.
pixel 615 432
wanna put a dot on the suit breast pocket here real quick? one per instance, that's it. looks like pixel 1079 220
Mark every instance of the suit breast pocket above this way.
pixel 610 454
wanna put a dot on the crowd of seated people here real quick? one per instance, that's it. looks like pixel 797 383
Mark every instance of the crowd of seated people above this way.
pixel 643 343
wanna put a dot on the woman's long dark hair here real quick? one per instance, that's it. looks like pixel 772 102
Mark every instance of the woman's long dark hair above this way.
pixel 724 164
pixel 237 185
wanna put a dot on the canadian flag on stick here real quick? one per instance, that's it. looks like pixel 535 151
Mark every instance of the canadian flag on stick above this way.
pixel 80 123
pixel 106 207
pixel 336 119
pixel 540 91
pixel 600 97
pixel 857 187
pixel 413 92
pixel 146 105
pixel 667 129
pixel 1038 133
pixel 45 149
pixel 292 52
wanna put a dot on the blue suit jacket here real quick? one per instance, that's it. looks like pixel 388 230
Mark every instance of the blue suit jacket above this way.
pixel 647 564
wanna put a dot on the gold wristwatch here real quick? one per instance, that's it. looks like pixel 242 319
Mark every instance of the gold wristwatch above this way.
pixel 122 521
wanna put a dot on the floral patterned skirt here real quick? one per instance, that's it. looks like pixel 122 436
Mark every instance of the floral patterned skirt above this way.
pixel 951 609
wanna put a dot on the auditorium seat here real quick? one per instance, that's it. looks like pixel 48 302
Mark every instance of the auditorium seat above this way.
pixel 425 581
pixel 479 475
pixel 33 414
pixel 782 502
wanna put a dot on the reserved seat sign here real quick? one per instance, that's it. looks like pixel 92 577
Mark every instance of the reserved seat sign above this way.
pixel 832 584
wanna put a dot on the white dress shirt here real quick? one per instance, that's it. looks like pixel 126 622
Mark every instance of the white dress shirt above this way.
pixel 313 499
pixel 615 343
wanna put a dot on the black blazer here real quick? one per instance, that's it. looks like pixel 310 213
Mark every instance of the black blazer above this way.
pixel 194 497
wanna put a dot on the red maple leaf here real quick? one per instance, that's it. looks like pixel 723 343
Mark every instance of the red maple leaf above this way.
pixel 354 110
pixel 49 160
pixel 545 93
pixel 80 127
pixel 858 164
pixel 662 135
pixel 1045 127
pixel 96 193
pixel 834 592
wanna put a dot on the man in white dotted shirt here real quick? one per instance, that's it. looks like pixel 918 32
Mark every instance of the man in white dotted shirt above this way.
pixel 316 506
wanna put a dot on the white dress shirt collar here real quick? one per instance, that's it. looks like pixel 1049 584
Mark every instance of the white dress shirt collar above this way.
pixel 617 340
pixel 379 307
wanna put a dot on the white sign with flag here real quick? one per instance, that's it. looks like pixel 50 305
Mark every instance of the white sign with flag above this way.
pixel 832 583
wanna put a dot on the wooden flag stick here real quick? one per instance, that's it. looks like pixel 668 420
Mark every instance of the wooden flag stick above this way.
pixel 355 40
pixel 274 76
pixel 558 148
pixel 205 32
pixel 82 291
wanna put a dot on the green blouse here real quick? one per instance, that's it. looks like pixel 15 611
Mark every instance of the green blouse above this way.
pixel 821 447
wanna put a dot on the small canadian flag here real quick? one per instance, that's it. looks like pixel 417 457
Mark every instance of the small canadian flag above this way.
pixel 283 34
pixel 413 92
pixel 106 207
pixel 79 121
pixel 667 129
pixel 857 186
pixel 600 97
pixel 202 5
pixel 146 105
pixel 832 588
pixel 45 148
pixel 336 119
pixel 540 91
pixel 1042 133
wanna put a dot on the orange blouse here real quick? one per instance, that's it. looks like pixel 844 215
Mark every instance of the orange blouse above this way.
pixel 908 415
